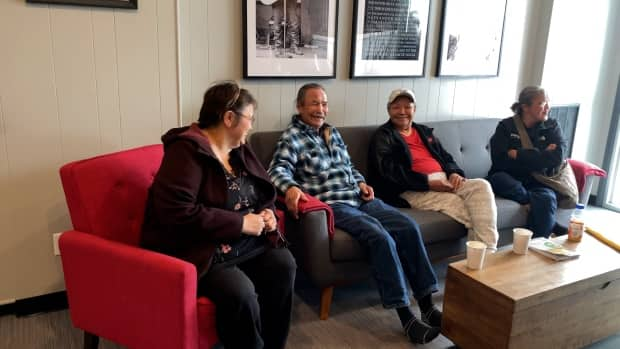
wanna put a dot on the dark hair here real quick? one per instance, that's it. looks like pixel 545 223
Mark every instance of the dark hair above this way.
pixel 301 94
pixel 220 98
pixel 526 97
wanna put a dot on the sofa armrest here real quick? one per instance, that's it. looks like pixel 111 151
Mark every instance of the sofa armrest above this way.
pixel 309 239
pixel 124 292
pixel 310 243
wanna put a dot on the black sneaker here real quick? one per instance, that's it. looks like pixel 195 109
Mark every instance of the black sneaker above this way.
pixel 420 333
pixel 432 317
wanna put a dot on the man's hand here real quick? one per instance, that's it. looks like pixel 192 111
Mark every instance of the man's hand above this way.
pixel 456 180
pixel 270 219
pixel 253 224
pixel 512 153
pixel 367 192
pixel 440 185
pixel 292 197
pixel 551 147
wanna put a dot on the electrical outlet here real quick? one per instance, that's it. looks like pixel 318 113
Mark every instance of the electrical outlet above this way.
pixel 55 238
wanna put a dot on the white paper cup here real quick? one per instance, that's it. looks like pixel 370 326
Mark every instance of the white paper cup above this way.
pixel 475 254
pixel 521 240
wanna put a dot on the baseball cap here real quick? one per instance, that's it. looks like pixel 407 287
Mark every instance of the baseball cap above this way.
pixel 400 93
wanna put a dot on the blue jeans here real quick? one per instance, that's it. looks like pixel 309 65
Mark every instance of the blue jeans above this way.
pixel 542 200
pixel 395 247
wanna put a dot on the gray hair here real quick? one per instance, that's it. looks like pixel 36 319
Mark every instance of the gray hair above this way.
pixel 526 97
pixel 301 94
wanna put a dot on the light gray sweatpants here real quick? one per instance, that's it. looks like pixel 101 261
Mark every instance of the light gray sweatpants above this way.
pixel 472 205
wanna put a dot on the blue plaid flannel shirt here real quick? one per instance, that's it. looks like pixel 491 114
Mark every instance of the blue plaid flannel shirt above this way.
pixel 324 170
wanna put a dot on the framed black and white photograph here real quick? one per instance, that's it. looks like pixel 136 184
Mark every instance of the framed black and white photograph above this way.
pixel 289 38
pixel 130 4
pixel 389 38
pixel 471 38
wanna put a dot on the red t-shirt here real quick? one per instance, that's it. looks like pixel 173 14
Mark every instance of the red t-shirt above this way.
pixel 423 161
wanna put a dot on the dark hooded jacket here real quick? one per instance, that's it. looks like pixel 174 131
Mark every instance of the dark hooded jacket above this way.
pixel 389 163
pixel 542 134
pixel 185 213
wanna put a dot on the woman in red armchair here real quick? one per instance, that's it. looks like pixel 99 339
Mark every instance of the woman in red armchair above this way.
pixel 212 204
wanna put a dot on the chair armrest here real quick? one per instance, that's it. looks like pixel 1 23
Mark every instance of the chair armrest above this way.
pixel 133 296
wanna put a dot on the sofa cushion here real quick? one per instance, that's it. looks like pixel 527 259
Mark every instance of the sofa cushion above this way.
pixel 435 227
pixel 510 214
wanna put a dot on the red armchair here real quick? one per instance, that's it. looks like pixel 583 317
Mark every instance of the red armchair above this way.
pixel 117 290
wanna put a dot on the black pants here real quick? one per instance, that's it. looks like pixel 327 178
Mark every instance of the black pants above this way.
pixel 253 300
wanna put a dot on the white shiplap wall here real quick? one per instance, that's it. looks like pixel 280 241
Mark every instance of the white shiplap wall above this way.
pixel 74 82
pixel 211 50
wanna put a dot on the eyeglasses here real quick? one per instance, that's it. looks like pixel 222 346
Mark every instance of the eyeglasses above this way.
pixel 252 118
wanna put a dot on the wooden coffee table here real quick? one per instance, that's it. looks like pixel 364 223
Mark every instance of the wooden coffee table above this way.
pixel 531 301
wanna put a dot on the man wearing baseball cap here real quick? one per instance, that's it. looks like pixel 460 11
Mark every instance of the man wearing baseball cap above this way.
pixel 408 167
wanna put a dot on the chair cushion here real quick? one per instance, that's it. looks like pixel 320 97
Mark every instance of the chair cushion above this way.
pixel 118 182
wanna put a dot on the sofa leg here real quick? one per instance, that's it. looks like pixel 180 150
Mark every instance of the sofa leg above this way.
pixel 326 301
pixel 90 341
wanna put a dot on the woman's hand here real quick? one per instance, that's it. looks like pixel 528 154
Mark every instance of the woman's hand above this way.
pixel 269 218
pixel 253 224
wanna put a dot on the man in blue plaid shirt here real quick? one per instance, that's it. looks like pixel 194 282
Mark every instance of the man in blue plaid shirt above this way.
pixel 311 158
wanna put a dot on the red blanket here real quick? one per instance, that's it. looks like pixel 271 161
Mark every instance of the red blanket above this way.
pixel 313 204
pixel 584 169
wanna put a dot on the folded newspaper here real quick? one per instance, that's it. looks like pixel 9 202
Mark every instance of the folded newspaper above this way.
pixel 552 249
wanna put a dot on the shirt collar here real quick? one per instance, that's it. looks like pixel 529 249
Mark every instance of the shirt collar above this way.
pixel 306 128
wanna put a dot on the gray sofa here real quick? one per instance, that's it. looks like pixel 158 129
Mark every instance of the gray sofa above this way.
pixel 330 263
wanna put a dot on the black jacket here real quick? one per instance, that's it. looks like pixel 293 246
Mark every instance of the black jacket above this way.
pixel 506 137
pixel 389 163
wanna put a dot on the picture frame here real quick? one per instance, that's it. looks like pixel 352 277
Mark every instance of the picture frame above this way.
pixel 389 39
pixel 471 48
pixel 300 46
pixel 128 4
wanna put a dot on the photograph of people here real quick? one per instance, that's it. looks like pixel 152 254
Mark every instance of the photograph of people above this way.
pixel 291 29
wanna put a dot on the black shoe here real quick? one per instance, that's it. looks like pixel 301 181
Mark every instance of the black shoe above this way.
pixel 419 332
pixel 432 317
pixel 559 230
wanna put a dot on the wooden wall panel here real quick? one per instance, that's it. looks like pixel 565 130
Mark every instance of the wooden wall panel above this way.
pixel 167 54
pixel 76 87
pixel 106 78
pixel 371 102
pixel 199 59
pixel 75 82
pixel 139 93
pixel 269 104
pixel 225 39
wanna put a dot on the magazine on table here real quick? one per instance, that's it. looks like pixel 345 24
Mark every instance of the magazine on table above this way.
pixel 552 249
